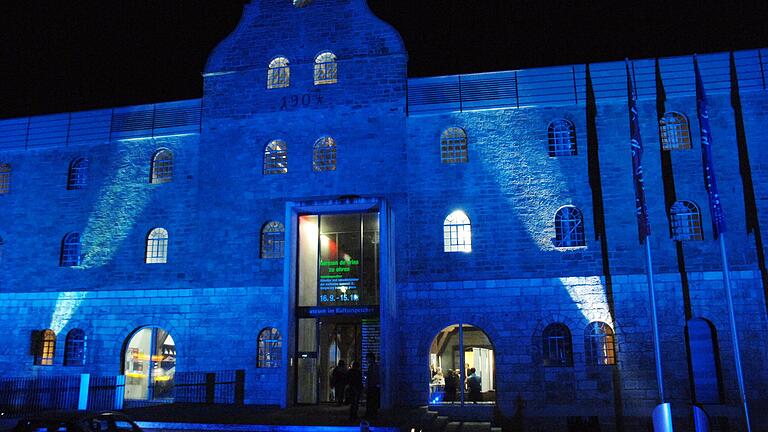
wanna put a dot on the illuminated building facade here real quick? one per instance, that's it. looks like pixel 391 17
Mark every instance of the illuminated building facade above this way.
pixel 316 205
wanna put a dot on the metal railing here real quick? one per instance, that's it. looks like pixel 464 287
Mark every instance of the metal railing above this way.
pixel 221 387
pixel 26 395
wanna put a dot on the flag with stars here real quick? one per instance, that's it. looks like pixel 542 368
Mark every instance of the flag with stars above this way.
pixel 715 206
pixel 641 208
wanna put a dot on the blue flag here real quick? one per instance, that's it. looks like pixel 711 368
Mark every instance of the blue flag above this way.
pixel 641 208
pixel 715 206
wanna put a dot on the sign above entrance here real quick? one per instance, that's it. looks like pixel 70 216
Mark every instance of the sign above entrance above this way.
pixel 342 310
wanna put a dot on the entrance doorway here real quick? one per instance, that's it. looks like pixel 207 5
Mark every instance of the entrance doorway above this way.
pixel 337 299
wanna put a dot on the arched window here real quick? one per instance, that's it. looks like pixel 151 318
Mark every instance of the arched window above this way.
pixel 162 166
pixel 324 155
pixel 74 348
pixel 5 178
pixel 459 354
pixel 569 227
pixel 279 73
pixel 674 132
pixel 276 158
pixel 457 233
pixel 78 174
pixel 325 68
pixel 149 364
pixel 599 344
pixel 557 347
pixel 561 135
pixel 685 218
pixel 453 146
pixel 70 250
pixel 272 240
pixel 45 347
pixel 270 348
pixel 705 362
pixel 157 246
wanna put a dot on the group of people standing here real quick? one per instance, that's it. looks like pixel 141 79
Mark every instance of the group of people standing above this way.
pixel 450 383
pixel 347 385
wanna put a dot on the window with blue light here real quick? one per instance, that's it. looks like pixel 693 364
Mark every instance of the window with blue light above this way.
pixel 74 348
pixel 279 73
pixel 272 240
pixel 557 347
pixel 569 228
pixel 599 344
pixel 674 131
pixel 162 167
pixel 324 155
pixel 5 178
pixel 78 174
pixel 71 250
pixel 457 232
pixel 157 246
pixel 270 345
pixel 453 146
pixel 685 218
pixel 326 68
pixel 561 135
pixel 276 158
pixel 45 347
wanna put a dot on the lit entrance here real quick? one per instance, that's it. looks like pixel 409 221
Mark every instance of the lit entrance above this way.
pixel 149 364
pixel 337 300
pixel 462 367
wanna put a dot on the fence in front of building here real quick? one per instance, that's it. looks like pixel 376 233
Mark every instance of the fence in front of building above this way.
pixel 34 394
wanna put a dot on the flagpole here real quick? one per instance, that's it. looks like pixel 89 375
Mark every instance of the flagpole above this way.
pixel 654 319
pixel 734 336
pixel 644 228
pixel 718 219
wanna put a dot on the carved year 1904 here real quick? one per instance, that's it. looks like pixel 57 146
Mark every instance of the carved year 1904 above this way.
pixel 304 101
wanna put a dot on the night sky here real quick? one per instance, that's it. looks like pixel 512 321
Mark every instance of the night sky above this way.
pixel 68 55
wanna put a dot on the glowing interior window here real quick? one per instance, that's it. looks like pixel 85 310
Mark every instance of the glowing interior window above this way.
pixel 326 68
pixel 46 348
pixel 157 246
pixel 279 73
pixel 599 344
pixel 457 233
pixel 149 364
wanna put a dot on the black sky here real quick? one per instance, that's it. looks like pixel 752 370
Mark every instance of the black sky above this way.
pixel 67 55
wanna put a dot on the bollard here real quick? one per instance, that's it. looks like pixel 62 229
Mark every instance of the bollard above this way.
pixel 700 420
pixel 365 426
pixel 662 418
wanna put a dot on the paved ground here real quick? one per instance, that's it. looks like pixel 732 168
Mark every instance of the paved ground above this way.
pixel 325 415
